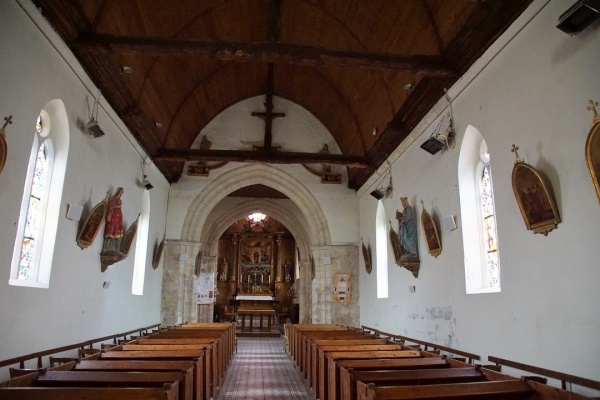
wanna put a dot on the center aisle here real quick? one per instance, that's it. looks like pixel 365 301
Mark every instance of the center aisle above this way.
pixel 262 370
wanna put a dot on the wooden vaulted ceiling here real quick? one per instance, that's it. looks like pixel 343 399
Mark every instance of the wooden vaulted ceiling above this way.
pixel 345 61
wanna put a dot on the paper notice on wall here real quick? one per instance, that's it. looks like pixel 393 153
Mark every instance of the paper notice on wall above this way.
pixel 205 285
pixel 341 288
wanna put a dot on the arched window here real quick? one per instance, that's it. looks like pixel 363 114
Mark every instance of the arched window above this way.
pixel 40 205
pixel 480 238
pixel 381 250
pixel 141 247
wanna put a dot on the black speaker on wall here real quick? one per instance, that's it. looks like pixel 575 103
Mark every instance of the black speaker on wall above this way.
pixel 579 16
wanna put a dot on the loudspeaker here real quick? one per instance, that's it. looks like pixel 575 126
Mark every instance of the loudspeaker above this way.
pixel 378 194
pixel 579 16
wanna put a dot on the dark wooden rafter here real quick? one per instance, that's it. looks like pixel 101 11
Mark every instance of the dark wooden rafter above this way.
pixel 477 34
pixel 261 156
pixel 424 65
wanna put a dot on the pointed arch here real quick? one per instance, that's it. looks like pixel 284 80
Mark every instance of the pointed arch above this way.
pixel 220 187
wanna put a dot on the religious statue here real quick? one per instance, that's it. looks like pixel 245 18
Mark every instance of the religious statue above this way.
pixel 113 230
pixel 288 271
pixel 407 229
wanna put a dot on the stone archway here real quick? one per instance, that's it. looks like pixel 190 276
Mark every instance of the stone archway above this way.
pixel 221 186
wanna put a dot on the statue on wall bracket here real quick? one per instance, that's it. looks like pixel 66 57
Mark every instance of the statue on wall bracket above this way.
pixel 534 197
pixel 366 250
pixel 202 168
pixel 117 243
pixel 407 238
pixel 325 174
pixel 592 148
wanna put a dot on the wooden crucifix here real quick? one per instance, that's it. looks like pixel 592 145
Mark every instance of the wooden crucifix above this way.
pixel 268 115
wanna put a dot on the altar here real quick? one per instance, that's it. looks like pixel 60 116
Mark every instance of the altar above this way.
pixel 256 305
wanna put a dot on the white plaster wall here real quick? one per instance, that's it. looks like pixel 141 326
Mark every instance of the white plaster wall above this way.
pixel 532 93
pixel 298 131
pixel 75 307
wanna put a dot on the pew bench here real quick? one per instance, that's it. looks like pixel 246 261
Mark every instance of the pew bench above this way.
pixel 166 392
pixel 507 389
pixel 186 367
pixel 196 356
pixel 106 379
pixel 349 378
pixel 329 368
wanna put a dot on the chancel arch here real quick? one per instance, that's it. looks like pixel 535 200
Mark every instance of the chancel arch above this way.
pixel 198 212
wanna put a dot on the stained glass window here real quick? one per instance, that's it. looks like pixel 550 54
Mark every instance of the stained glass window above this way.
pixel 490 235
pixel 35 212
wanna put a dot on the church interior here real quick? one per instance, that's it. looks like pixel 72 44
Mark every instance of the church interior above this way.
pixel 423 168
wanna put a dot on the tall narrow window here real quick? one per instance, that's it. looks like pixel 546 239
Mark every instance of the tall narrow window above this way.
pixel 381 247
pixel 34 220
pixel 479 228
pixel 490 237
pixel 141 247
pixel 40 205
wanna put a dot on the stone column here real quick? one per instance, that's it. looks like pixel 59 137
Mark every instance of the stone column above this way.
pixel 343 259
pixel 233 276
pixel 178 286
pixel 279 267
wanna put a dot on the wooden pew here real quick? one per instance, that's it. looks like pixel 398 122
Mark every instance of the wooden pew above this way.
pixel 187 367
pixel 196 356
pixel 508 389
pixel 296 332
pixel 169 391
pixel 350 377
pixel 106 379
pixel 322 351
pixel 329 369
pixel 311 361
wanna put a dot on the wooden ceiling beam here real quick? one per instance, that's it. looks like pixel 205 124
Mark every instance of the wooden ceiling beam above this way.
pixel 432 66
pixel 271 157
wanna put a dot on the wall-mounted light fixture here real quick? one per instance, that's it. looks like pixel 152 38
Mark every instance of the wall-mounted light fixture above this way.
pixel 579 16
pixel 92 126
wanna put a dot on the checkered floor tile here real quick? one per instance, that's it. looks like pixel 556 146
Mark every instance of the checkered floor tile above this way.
pixel 262 370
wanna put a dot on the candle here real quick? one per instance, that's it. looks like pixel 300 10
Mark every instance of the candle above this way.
pixel 248 279
pixel 261 279
pixel 269 279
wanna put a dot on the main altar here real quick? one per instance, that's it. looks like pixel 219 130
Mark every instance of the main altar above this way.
pixel 255 272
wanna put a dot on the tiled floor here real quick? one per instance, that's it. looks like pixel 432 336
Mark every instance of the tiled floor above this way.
pixel 262 370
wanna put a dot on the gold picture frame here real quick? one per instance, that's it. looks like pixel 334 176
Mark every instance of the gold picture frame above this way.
pixel 90 228
pixel 158 250
pixel 432 238
pixel 128 238
pixel 3 145
pixel 366 250
pixel 534 197
pixel 396 244
pixel 592 148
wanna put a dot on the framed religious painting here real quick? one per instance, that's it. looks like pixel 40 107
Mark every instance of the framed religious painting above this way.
pixel 534 197
pixel 396 244
pixel 158 250
pixel 128 237
pixel 592 149
pixel 432 238
pixel 91 226
pixel 366 250
pixel 3 145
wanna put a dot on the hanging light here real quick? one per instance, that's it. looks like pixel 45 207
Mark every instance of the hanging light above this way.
pixel 257 217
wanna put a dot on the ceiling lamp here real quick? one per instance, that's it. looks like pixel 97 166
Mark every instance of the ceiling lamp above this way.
pixel 257 217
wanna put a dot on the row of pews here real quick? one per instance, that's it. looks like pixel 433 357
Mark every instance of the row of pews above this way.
pixel 353 364
pixel 186 362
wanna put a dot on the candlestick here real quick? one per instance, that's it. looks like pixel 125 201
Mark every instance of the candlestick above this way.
pixel 269 279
